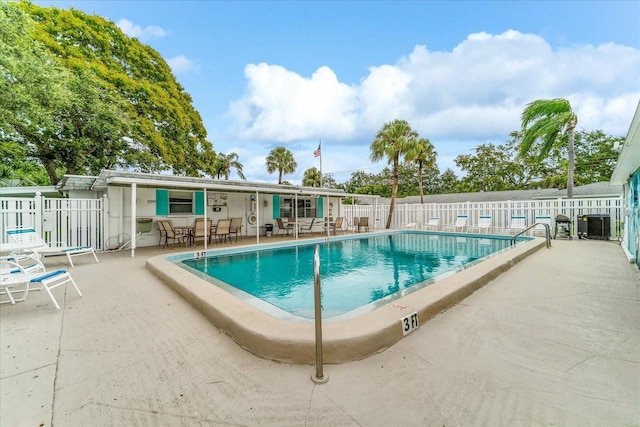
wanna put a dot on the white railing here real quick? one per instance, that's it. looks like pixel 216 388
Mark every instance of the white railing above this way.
pixel 61 222
pixel 501 212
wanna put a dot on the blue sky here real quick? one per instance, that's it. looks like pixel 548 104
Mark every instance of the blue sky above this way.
pixel 264 74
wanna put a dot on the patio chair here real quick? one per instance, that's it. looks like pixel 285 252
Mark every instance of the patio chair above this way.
pixel 223 230
pixel 282 228
pixel 433 224
pixel 484 223
pixel 200 231
pixel 170 233
pixel 518 223
pixel 540 228
pixel 413 225
pixel 307 228
pixel 460 224
pixel 338 225
pixel 43 280
pixel 236 227
pixel 28 236
pixel 363 223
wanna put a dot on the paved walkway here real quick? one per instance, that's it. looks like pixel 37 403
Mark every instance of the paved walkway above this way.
pixel 553 341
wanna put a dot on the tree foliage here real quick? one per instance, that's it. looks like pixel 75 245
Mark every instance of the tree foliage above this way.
pixel 280 159
pixel 551 122
pixel 392 141
pixel 110 100
pixel 311 177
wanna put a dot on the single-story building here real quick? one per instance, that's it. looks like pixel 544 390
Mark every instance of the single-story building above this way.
pixel 627 174
pixel 135 198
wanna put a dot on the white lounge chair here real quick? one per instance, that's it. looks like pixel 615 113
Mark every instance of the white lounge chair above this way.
pixel 27 238
pixel 44 280
pixel 540 228
pixel 460 224
pixel 518 223
pixel 432 224
pixel 484 224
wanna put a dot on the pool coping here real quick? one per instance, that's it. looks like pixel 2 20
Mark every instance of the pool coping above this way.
pixel 343 341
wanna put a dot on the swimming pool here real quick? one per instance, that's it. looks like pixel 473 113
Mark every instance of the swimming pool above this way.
pixel 346 339
pixel 357 274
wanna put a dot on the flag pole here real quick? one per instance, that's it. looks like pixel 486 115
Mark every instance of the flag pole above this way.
pixel 320 148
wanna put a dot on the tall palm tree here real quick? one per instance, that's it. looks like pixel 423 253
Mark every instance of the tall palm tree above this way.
pixel 392 141
pixel 422 152
pixel 224 163
pixel 553 122
pixel 280 159
pixel 311 177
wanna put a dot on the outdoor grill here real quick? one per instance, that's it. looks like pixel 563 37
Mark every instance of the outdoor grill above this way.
pixel 563 227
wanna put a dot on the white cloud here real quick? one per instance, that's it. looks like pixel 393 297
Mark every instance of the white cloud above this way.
pixel 181 64
pixel 477 90
pixel 147 33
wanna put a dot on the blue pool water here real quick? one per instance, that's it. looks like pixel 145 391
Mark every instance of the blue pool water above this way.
pixel 355 273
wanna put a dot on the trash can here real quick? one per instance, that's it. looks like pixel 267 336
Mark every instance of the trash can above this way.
pixel 563 227
pixel 143 225
pixel 268 230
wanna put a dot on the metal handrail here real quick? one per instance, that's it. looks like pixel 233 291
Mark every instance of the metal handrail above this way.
pixel 547 233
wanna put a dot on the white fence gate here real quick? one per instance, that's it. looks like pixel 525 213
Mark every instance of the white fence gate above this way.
pixel 61 222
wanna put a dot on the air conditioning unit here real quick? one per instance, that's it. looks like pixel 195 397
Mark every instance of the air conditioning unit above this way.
pixel 594 226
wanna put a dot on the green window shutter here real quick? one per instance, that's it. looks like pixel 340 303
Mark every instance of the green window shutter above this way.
pixel 199 201
pixel 319 213
pixel 162 202
pixel 276 206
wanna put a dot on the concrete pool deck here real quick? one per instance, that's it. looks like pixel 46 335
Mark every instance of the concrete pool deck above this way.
pixel 555 340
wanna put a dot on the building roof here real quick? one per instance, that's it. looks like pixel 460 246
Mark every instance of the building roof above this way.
pixel 121 178
pixel 629 158
pixel 598 189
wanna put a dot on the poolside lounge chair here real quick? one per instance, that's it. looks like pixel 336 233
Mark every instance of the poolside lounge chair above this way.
pixel 223 230
pixel 518 223
pixel 540 229
pixel 236 227
pixel 170 233
pixel 432 224
pixel 200 231
pixel 460 224
pixel 363 223
pixel 412 225
pixel 337 225
pixel 43 280
pixel 28 236
pixel 484 224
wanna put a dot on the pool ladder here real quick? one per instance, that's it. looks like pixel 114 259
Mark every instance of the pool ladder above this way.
pixel 547 233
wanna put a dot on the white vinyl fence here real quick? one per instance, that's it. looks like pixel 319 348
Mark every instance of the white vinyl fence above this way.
pixel 61 222
pixel 75 222
pixel 501 212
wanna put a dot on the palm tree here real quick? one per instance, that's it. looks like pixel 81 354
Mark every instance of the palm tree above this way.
pixel 280 159
pixel 553 122
pixel 311 177
pixel 392 141
pixel 421 152
pixel 224 163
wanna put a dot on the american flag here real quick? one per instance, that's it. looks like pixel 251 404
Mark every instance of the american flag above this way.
pixel 317 152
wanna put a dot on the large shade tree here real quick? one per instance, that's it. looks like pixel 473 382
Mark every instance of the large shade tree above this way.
pixel 122 85
pixel 281 160
pixel 392 141
pixel 552 122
